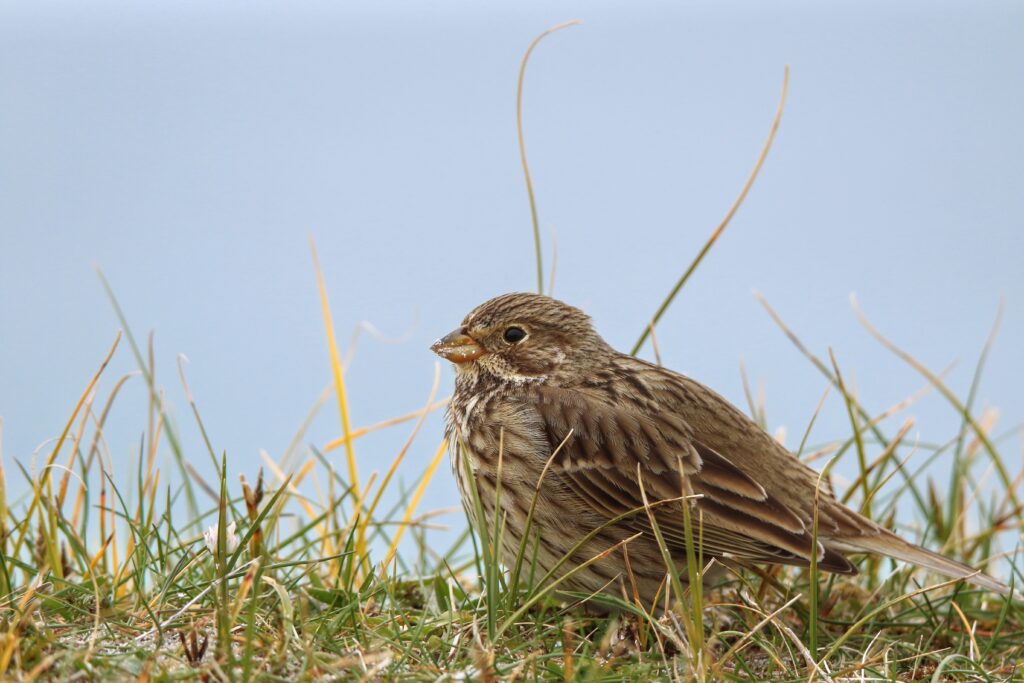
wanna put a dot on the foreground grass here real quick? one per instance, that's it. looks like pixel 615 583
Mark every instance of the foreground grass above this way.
pixel 107 576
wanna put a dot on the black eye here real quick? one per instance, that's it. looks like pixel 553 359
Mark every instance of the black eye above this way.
pixel 514 335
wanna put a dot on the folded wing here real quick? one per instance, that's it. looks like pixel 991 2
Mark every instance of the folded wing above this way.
pixel 615 449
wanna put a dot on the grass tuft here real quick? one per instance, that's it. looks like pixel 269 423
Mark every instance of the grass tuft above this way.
pixel 106 570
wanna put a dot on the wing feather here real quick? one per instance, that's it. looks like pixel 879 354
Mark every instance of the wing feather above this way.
pixel 738 516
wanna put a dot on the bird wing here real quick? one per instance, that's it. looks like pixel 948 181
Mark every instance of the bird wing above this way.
pixel 717 425
pixel 616 447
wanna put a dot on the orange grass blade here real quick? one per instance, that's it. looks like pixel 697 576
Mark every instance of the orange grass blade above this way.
pixel 60 441
pixel 337 371
pixel 725 221
pixel 115 562
pixel 12 636
pixel 427 476
pixel 339 387
pixel 62 490
pixel 99 556
pixel 405 449
pixel 522 147
pixel 383 424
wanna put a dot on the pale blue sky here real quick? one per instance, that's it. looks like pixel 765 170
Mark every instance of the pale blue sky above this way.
pixel 189 148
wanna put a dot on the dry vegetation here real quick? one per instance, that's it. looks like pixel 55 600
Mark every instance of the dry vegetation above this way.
pixel 106 576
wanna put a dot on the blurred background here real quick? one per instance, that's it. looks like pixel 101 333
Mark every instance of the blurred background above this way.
pixel 189 150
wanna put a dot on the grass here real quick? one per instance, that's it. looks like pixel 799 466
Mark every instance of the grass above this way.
pixel 149 575
pixel 106 575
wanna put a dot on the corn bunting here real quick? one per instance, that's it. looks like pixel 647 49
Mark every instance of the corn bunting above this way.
pixel 603 445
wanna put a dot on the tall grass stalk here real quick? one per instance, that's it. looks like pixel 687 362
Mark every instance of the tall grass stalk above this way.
pixel 534 220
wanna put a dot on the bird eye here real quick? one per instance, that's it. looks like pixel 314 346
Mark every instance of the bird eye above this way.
pixel 514 335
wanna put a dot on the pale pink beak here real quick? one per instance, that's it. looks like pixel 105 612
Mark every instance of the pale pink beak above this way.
pixel 458 347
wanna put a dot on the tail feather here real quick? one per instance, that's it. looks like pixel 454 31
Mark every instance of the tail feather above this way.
pixel 893 546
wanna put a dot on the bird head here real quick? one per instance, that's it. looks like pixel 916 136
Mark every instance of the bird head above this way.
pixel 521 337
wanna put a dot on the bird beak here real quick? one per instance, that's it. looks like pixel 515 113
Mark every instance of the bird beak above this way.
pixel 458 347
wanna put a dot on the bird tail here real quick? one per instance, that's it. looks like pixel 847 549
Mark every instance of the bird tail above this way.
pixel 895 547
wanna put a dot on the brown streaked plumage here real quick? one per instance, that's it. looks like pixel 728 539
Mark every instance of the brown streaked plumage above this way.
pixel 532 371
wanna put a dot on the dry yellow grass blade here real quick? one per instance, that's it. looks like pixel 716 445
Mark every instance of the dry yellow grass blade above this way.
pixel 98 556
pixel 383 424
pixel 522 146
pixel 44 477
pixel 405 448
pixel 339 386
pixel 411 509
pixel 10 639
pixel 296 480
pixel 62 489
pixel 725 221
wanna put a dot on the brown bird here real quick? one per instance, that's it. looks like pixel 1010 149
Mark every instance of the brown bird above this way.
pixel 535 383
